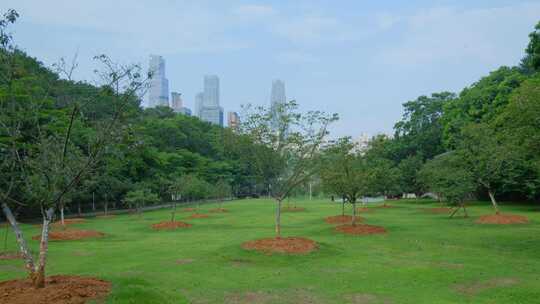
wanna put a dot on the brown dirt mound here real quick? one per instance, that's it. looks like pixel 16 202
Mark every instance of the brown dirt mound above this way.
pixel 10 256
pixel 292 209
pixel 364 209
pixel 288 245
pixel 341 219
pixel 198 216
pixel 70 221
pixel 218 210
pixel 71 234
pixel 58 289
pixel 437 210
pixel 170 225
pixel 360 229
pixel 188 209
pixel 502 219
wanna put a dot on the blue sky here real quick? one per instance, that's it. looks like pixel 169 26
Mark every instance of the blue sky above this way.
pixel 361 59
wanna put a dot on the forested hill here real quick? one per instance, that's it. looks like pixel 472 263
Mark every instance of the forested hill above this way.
pixel 152 148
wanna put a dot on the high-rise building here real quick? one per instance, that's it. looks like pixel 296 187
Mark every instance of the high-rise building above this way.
pixel 277 97
pixel 177 104
pixel 233 120
pixel 209 108
pixel 158 93
pixel 199 98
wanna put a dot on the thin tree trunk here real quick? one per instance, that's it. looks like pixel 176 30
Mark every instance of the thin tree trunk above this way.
pixel 353 221
pixel 62 216
pixel 278 219
pixel 79 211
pixel 6 238
pixel 173 212
pixel 493 201
pixel 93 202
pixel 23 246
pixel 106 207
pixel 343 207
pixel 38 277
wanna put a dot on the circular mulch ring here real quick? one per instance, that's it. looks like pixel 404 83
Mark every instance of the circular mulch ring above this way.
pixel 293 209
pixel 188 209
pixel 288 245
pixel 10 256
pixel 438 210
pixel 341 219
pixel 59 289
pixel 198 216
pixel 71 234
pixel 502 219
pixel 218 210
pixel 170 225
pixel 364 209
pixel 70 221
pixel 362 229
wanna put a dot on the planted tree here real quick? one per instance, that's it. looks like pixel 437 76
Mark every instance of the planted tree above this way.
pixel 286 151
pixel 40 161
pixel 222 190
pixel 140 198
pixel 345 173
pixel 446 175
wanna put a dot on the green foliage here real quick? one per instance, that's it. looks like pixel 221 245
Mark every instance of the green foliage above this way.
pixel 447 176
pixel 141 197
pixel 532 58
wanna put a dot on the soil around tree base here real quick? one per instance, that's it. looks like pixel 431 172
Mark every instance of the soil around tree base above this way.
pixel 287 245
pixel 170 225
pixel 361 229
pixel 71 234
pixel 59 289
pixel 437 210
pixel 502 219
pixel 218 210
pixel 341 219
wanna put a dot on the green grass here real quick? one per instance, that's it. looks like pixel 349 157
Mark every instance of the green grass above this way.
pixel 424 258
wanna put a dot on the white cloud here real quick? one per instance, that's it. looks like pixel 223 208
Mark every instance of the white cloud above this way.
pixel 447 34
pixel 254 11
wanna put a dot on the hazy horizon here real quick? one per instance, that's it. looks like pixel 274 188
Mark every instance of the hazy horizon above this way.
pixel 361 60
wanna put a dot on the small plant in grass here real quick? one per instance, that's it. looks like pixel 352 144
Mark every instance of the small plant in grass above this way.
pixel 222 190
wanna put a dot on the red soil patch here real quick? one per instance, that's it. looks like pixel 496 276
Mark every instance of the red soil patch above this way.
pixel 292 209
pixel 70 221
pixel 59 289
pixel 198 215
pixel 71 234
pixel 502 219
pixel 189 209
pixel 10 256
pixel 360 229
pixel 364 209
pixel 218 210
pixel 384 206
pixel 170 225
pixel 438 210
pixel 288 245
pixel 341 219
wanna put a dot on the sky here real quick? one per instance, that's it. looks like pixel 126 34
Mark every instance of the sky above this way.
pixel 358 58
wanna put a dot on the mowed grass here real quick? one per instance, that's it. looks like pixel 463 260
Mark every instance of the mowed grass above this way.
pixel 424 258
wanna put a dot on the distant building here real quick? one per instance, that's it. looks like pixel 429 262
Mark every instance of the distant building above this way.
pixel 277 97
pixel 362 142
pixel 158 93
pixel 199 98
pixel 177 104
pixel 233 120
pixel 207 105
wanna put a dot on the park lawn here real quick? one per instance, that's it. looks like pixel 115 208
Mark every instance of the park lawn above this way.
pixel 424 258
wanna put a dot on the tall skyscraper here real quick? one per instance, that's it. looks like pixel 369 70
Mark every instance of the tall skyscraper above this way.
pixel 177 104
pixel 199 98
pixel 210 109
pixel 158 93
pixel 233 120
pixel 277 97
